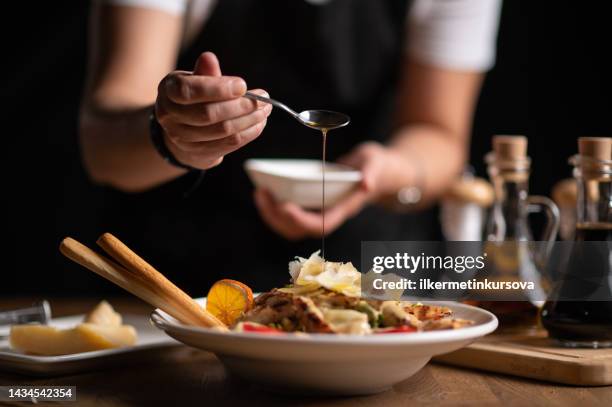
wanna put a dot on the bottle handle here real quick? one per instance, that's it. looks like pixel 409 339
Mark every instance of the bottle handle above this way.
pixel 539 204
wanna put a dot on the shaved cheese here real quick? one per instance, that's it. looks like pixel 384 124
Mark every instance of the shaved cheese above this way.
pixel 104 314
pixel 315 272
pixel 102 328
pixel 86 337
pixel 347 321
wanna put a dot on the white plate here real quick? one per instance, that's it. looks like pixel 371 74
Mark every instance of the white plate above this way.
pixel 300 181
pixel 149 339
pixel 331 364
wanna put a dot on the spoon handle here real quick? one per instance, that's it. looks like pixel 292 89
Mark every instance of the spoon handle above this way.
pixel 272 102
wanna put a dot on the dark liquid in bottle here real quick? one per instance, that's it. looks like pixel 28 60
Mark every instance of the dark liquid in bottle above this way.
pixel 583 322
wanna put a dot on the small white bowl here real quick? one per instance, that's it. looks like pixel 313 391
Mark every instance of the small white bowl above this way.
pixel 329 364
pixel 300 181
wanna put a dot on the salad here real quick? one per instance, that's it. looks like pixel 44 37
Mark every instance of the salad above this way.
pixel 323 297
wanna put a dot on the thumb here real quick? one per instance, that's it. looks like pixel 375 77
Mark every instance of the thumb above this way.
pixel 207 64
pixel 352 159
pixel 359 160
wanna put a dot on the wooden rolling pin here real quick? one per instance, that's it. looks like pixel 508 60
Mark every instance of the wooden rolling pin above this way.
pixel 140 279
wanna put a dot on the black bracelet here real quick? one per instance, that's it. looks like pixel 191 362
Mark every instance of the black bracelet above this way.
pixel 157 138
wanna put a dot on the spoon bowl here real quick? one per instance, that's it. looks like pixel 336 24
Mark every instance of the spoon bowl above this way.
pixel 315 119
pixel 323 119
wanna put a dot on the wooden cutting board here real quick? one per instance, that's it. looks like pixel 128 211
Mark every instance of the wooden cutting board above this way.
pixel 535 356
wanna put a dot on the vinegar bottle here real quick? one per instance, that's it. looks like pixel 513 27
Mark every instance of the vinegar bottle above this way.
pixel 587 322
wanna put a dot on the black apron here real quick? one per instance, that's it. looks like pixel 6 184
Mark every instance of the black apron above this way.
pixel 343 55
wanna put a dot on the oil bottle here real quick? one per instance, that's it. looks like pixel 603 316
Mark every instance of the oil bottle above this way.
pixel 512 254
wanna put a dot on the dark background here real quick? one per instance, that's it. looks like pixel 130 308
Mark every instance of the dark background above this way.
pixel 550 83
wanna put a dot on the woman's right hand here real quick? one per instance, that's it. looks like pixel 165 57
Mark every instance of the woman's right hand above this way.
pixel 204 115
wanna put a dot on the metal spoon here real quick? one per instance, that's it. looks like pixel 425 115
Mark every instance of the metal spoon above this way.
pixel 315 119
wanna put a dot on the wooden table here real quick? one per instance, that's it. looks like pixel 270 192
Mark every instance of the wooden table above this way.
pixel 185 377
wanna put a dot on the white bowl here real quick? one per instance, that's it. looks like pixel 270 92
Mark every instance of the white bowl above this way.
pixel 329 364
pixel 300 181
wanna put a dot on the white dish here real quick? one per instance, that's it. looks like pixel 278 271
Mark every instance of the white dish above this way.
pixel 149 339
pixel 300 181
pixel 329 364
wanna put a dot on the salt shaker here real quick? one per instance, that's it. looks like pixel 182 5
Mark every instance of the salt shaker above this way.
pixel 463 209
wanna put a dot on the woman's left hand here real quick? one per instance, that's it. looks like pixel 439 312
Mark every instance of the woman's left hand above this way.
pixel 294 223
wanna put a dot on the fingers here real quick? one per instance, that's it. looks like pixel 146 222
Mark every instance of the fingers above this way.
pixel 353 159
pixel 185 133
pixel 187 88
pixel 312 222
pixel 346 209
pixel 369 158
pixel 206 114
pixel 207 64
pixel 285 217
pixel 267 207
pixel 220 147
pixel 204 84
pixel 369 173
pixel 293 222
pixel 237 140
pixel 235 126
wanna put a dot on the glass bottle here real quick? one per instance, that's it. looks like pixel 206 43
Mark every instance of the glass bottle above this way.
pixel 512 255
pixel 564 194
pixel 587 322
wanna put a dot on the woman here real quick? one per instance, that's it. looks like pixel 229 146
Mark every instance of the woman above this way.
pixel 407 72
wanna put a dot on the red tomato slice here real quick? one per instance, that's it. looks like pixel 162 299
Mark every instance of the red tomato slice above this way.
pixel 399 329
pixel 261 329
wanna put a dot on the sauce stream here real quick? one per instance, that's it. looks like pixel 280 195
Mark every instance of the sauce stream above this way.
pixel 324 131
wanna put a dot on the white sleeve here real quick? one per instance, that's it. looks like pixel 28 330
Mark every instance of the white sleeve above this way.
pixel 175 7
pixel 454 34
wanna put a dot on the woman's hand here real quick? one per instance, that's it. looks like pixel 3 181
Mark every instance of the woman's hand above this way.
pixel 295 223
pixel 204 115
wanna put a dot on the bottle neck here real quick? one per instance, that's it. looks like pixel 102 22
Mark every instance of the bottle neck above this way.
pixel 594 195
pixel 510 179
pixel 510 206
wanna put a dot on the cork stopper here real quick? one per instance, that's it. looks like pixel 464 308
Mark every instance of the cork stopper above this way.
pixel 475 190
pixel 599 148
pixel 510 147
